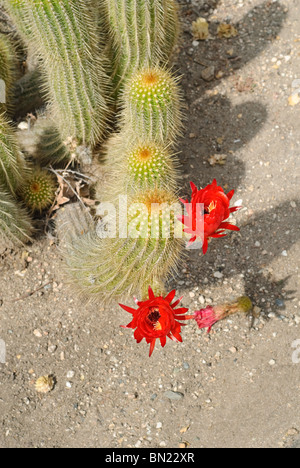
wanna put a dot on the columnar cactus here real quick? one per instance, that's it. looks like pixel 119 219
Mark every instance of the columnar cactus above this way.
pixel 8 72
pixel 66 41
pixel 152 105
pixel 12 164
pixel 139 165
pixel 106 268
pixel 15 223
pixel 141 33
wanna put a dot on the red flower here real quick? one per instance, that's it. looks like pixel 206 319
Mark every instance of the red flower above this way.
pixel 157 318
pixel 211 222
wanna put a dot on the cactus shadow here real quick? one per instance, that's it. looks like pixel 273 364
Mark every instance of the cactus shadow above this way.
pixel 215 128
pixel 241 256
pixel 257 30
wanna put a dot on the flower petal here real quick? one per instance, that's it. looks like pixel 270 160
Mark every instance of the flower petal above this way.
pixel 128 309
pixel 152 346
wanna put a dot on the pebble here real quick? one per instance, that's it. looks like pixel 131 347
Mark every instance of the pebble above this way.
pixel 218 275
pixel 70 374
pixel 284 253
pixel 208 74
pixel 202 300
pixel 37 333
pixel 68 385
pixel 173 395
pixel 272 362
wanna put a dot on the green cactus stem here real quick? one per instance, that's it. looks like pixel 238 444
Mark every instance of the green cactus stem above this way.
pixel 65 36
pixel 140 33
pixel 109 268
pixel 8 73
pixel 15 223
pixel 137 165
pixel 12 163
pixel 152 105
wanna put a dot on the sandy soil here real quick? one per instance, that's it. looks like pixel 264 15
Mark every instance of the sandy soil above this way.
pixel 239 386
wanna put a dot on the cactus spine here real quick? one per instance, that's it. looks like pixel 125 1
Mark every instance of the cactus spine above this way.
pixel 39 190
pixel 152 105
pixel 141 33
pixel 138 165
pixel 15 223
pixel 8 72
pixel 67 44
pixel 12 164
pixel 106 268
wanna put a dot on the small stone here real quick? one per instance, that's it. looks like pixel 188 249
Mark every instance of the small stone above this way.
pixel 37 333
pixel 68 385
pixel 23 126
pixel 70 374
pixel 233 350
pixel 293 204
pixel 257 244
pixel 218 275
pixel 52 349
pixel 272 362
pixel 208 74
pixel 159 425
pixel 284 253
pixel 202 300
pixel 192 295
pixel 173 395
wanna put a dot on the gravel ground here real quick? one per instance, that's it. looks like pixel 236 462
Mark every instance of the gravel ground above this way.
pixel 238 386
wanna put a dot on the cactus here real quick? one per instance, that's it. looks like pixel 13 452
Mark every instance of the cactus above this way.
pixel 8 73
pixel 66 41
pixel 140 33
pixel 105 268
pixel 50 149
pixel 152 105
pixel 15 223
pixel 38 191
pixel 12 163
pixel 28 94
pixel 137 165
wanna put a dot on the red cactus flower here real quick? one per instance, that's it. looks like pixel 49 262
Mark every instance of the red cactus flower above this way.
pixel 157 318
pixel 211 223
pixel 206 318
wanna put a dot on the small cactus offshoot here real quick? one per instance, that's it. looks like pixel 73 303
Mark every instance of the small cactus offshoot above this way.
pixel 152 105
pixel 38 191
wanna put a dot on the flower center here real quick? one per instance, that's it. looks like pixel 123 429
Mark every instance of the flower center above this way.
pixel 153 318
pixel 210 208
